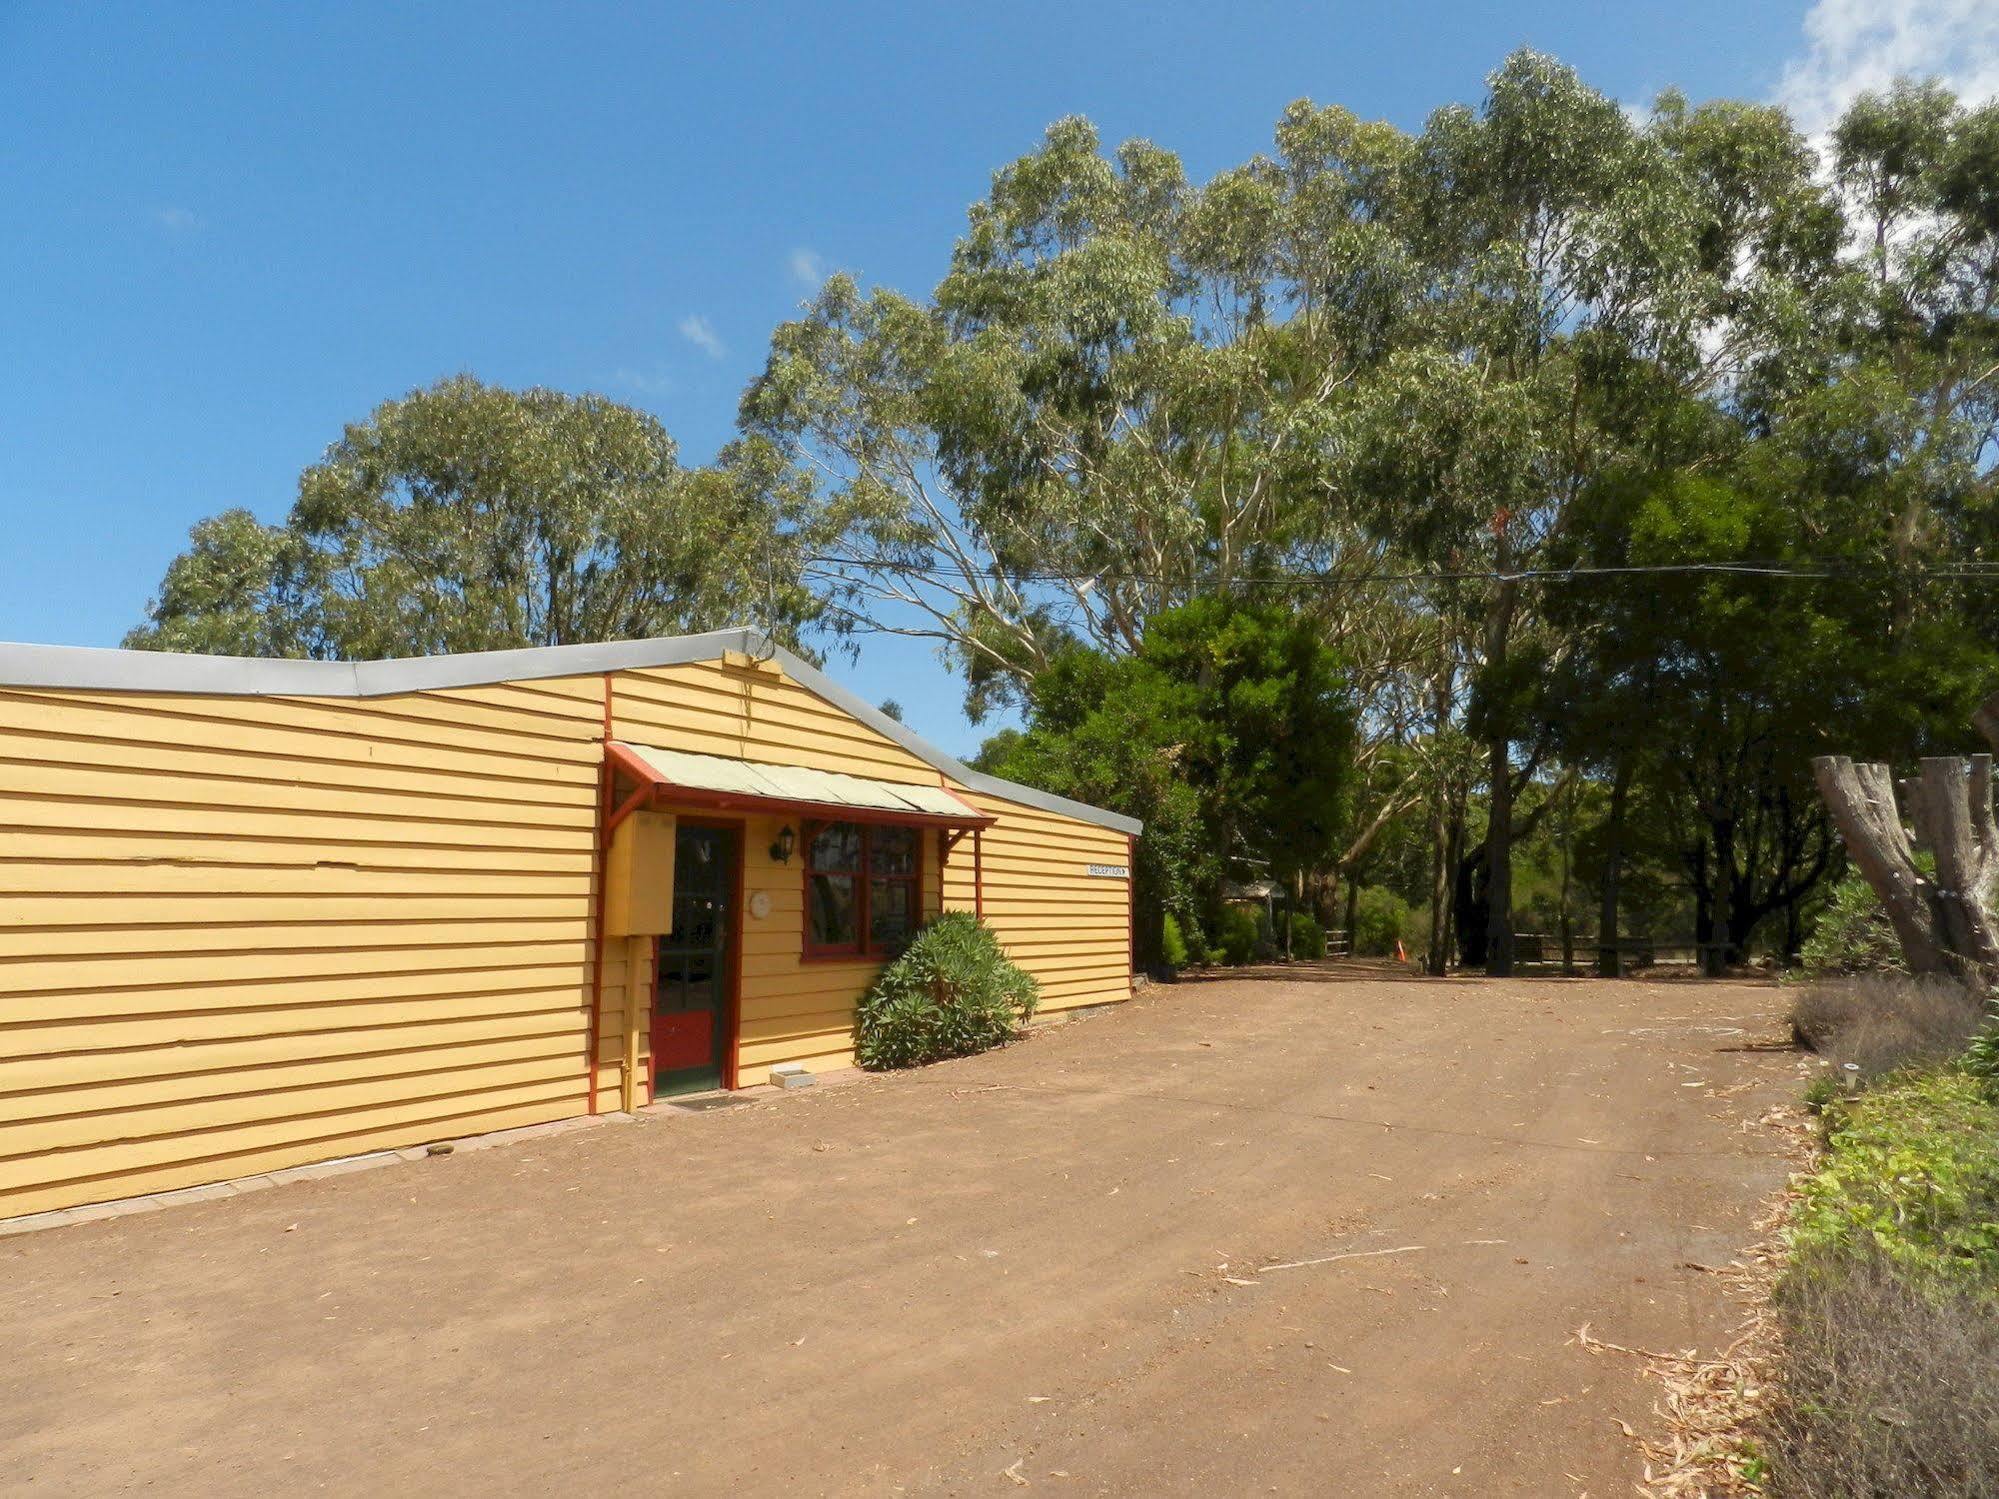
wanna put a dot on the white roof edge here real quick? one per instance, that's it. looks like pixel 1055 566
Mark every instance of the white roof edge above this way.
pixel 99 669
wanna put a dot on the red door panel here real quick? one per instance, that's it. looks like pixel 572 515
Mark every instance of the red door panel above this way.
pixel 683 1038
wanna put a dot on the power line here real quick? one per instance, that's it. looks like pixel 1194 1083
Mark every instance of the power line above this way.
pixel 1810 571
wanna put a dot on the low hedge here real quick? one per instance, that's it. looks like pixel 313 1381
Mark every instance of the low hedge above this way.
pixel 951 993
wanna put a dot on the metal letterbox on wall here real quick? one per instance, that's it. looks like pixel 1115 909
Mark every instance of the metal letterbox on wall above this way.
pixel 638 877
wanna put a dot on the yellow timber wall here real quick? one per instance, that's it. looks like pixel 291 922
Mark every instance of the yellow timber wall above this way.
pixel 793 1009
pixel 1067 927
pixel 239 933
pixel 245 932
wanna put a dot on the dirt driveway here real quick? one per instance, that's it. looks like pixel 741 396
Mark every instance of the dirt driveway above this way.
pixel 1048 1263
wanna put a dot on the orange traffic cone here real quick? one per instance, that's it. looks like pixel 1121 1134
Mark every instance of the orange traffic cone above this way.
pixel 1400 955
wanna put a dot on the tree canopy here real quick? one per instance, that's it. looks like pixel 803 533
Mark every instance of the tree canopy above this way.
pixel 466 517
pixel 1471 401
pixel 1492 510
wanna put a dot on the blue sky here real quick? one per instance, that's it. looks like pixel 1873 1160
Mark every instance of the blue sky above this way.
pixel 232 229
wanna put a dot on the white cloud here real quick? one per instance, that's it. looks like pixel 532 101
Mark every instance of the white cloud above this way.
pixel 177 220
pixel 807 269
pixel 698 331
pixel 1852 46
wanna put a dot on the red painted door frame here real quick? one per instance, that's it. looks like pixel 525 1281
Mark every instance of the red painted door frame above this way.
pixel 731 1018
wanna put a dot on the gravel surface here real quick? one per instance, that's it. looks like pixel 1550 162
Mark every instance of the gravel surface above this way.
pixel 1050 1266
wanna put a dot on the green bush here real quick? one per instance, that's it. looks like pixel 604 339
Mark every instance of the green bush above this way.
pixel 1890 1306
pixel 1981 1057
pixel 1237 939
pixel 1852 934
pixel 1821 1092
pixel 1910 1175
pixel 1380 919
pixel 1173 943
pixel 951 993
pixel 1308 938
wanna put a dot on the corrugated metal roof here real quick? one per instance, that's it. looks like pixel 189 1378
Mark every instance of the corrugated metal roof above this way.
pixel 90 669
pixel 794 783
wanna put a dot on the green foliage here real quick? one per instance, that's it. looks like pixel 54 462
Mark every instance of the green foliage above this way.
pixel 1852 934
pixel 1981 1057
pixel 1238 937
pixel 952 992
pixel 1890 1305
pixel 1308 938
pixel 1231 725
pixel 1236 488
pixel 1172 945
pixel 466 517
pixel 1381 917
pixel 1910 1174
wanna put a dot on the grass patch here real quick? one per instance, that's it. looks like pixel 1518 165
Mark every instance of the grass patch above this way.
pixel 1890 1306
pixel 1910 1176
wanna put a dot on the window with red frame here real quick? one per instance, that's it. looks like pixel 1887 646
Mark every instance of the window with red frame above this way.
pixel 863 888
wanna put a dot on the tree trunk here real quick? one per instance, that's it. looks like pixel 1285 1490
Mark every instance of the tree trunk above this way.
pixel 1607 962
pixel 1469 909
pixel 1931 917
pixel 1499 816
pixel 1436 962
pixel 1955 813
pixel 1567 920
pixel 1946 924
pixel 1456 846
pixel 1353 895
pixel 1861 799
pixel 1721 890
pixel 1294 897
pixel 1499 861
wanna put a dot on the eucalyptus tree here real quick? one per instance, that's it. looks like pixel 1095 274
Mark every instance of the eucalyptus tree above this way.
pixel 1121 397
pixel 1919 177
pixel 1585 279
pixel 468 517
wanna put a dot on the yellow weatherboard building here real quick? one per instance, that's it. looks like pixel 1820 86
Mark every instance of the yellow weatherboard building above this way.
pixel 260 913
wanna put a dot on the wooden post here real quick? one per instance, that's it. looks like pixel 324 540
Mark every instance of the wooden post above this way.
pixel 1131 903
pixel 637 988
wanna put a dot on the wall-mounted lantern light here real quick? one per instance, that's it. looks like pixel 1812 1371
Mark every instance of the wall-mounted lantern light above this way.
pixel 781 850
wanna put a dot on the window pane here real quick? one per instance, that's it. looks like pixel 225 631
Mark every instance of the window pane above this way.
pixel 835 846
pixel 891 913
pixel 829 900
pixel 892 851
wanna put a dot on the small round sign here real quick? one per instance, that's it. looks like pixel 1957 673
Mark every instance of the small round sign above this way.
pixel 760 904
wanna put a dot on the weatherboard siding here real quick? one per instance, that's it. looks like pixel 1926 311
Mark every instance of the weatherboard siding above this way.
pixel 239 933
pixel 1067 927
pixel 792 1008
pixel 762 714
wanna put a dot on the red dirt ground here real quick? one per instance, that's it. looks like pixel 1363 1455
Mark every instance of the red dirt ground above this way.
pixel 1021 1264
